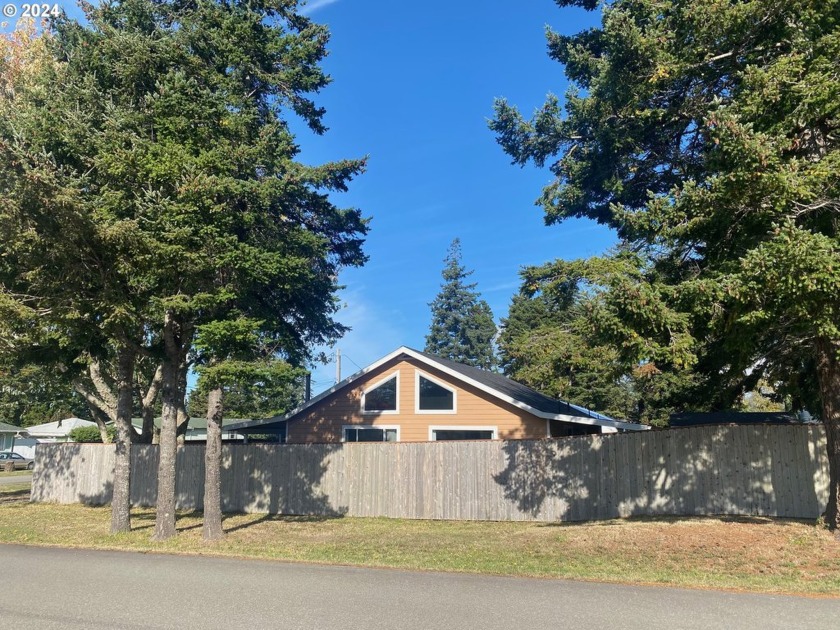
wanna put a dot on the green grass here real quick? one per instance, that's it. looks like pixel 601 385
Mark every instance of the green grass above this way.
pixel 16 473
pixel 761 555
pixel 15 488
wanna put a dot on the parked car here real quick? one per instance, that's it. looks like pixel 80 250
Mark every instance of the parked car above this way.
pixel 20 461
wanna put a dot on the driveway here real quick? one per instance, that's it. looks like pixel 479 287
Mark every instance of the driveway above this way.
pixel 65 588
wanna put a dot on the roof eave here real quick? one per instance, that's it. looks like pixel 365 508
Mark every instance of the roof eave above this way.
pixel 604 422
pixel 316 399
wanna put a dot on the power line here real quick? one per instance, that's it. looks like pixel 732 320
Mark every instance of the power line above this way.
pixel 352 361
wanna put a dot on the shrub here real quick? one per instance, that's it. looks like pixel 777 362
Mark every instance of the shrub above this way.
pixel 90 434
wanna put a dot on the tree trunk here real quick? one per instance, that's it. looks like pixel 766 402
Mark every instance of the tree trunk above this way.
pixel 147 406
pixel 165 517
pixel 212 467
pixel 828 376
pixel 101 418
pixel 147 431
pixel 121 498
pixel 182 418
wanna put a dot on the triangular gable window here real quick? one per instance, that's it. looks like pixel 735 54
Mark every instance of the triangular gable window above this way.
pixel 434 397
pixel 382 397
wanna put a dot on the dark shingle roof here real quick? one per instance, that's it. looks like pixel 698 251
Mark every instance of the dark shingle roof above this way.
pixel 500 385
pixel 196 422
pixel 695 418
pixel 517 391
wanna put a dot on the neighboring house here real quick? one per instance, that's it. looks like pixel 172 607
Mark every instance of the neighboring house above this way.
pixel 412 396
pixel 58 431
pixel 17 440
pixel 8 435
pixel 197 428
pixel 697 418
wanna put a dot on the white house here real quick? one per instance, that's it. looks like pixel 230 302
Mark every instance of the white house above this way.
pixel 16 439
pixel 58 431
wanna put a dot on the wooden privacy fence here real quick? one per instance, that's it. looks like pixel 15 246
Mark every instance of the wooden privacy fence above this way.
pixel 761 470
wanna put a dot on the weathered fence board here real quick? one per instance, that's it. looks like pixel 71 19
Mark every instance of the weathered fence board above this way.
pixel 761 470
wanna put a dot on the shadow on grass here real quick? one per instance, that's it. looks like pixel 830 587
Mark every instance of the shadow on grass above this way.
pixel 264 518
pixel 15 496
pixel 146 520
pixel 673 520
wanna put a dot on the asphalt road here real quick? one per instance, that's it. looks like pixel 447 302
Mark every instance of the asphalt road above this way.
pixel 65 588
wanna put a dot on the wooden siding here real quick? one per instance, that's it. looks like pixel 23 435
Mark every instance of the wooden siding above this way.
pixel 741 470
pixel 475 408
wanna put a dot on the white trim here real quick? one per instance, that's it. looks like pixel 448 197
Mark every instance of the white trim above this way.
pixel 370 388
pixel 461 427
pixel 428 377
pixel 384 427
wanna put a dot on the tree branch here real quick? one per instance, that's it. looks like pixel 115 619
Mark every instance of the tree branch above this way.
pixel 101 385
pixel 93 400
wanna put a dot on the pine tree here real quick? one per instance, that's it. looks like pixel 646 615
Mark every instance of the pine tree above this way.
pixel 462 326
pixel 707 134
pixel 167 193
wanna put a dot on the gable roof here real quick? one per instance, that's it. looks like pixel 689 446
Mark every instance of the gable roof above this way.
pixel 494 384
pixel 697 418
pixel 59 428
pixel 513 389
pixel 10 428
pixel 196 423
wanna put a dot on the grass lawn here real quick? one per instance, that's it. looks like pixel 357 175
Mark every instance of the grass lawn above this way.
pixel 15 489
pixel 755 554
pixel 16 473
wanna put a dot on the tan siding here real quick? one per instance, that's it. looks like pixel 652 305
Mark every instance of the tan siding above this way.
pixel 474 408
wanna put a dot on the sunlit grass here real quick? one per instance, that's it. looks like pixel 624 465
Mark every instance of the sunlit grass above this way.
pixel 757 554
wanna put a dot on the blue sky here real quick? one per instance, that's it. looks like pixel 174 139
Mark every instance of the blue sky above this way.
pixel 413 89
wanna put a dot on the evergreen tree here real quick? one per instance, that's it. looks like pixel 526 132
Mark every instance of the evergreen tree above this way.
pixel 150 186
pixel 549 349
pixel 34 394
pixel 462 326
pixel 707 134
pixel 261 388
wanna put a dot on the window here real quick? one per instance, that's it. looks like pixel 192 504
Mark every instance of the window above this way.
pixel 381 397
pixel 444 433
pixel 367 433
pixel 433 397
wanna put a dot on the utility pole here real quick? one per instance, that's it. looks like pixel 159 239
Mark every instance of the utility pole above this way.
pixel 337 366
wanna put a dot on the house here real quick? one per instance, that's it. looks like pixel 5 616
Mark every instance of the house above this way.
pixel 8 435
pixel 17 440
pixel 197 428
pixel 58 431
pixel 697 418
pixel 412 396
